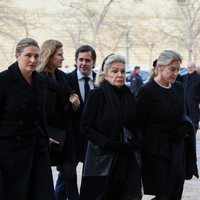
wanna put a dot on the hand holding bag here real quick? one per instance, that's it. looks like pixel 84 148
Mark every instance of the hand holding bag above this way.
pixel 58 135
pixel 56 149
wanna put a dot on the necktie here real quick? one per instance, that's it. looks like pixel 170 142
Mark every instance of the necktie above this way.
pixel 86 87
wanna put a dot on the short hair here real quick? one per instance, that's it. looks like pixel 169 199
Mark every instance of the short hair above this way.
pixel 25 42
pixel 106 64
pixel 136 67
pixel 48 49
pixel 164 59
pixel 85 48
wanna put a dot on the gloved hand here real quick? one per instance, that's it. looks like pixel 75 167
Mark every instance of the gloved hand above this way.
pixel 179 133
pixel 121 147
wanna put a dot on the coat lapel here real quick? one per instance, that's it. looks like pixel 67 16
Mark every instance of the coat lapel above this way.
pixel 20 84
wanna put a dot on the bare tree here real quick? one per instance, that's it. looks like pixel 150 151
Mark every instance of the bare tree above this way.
pixel 90 16
pixel 183 25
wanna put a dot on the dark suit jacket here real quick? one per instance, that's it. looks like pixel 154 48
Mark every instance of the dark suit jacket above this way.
pixel 79 141
pixel 21 105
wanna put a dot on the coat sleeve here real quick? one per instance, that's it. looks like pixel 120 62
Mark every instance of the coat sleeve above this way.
pixel 87 125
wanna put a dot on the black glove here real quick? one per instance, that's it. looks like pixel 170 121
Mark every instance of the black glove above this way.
pixel 121 147
pixel 179 133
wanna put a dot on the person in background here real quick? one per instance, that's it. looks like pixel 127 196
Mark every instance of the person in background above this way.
pixel 136 80
pixel 25 169
pixel 165 128
pixel 111 170
pixel 81 80
pixel 191 84
pixel 58 108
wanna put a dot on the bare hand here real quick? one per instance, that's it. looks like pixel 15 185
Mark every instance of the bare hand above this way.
pixel 52 141
pixel 74 99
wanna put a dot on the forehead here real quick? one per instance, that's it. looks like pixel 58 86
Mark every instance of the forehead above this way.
pixel 117 65
pixel 85 55
pixel 59 50
pixel 30 49
pixel 175 63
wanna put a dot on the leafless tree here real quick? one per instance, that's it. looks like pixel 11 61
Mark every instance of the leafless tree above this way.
pixel 183 25
pixel 89 16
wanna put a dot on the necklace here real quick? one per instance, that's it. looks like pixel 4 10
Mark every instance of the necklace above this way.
pixel 166 87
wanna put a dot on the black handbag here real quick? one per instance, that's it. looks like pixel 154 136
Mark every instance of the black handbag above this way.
pixel 127 136
pixel 58 135
pixel 56 149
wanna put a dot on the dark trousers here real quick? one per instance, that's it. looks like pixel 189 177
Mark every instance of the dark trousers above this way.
pixel 66 184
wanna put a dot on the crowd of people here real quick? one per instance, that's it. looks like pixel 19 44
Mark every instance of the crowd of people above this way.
pixel 130 142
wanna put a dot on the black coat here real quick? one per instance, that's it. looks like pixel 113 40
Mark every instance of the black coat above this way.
pixel 58 112
pixel 100 127
pixel 160 112
pixel 191 84
pixel 78 140
pixel 21 105
pixel 24 152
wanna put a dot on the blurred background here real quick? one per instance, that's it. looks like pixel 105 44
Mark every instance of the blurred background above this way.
pixel 137 29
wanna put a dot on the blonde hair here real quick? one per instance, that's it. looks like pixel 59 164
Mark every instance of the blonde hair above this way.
pixel 106 64
pixel 48 49
pixel 164 59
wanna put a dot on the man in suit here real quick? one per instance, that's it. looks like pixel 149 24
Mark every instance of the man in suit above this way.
pixel 191 83
pixel 81 80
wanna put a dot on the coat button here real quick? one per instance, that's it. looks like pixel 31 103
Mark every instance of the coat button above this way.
pixel 23 106
pixel 21 123
pixel 35 123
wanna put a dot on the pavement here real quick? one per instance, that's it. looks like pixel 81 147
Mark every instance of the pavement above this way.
pixel 191 188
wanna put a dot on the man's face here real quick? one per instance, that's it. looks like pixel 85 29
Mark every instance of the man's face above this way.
pixel 85 63
pixel 191 68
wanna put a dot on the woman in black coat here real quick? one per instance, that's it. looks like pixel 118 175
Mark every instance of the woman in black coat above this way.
pixel 160 111
pixel 111 169
pixel 25 170
pixel 58 107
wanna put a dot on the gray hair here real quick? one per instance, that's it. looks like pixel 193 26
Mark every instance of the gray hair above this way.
pixel 165 58
pixel 26 42
pixel 106 65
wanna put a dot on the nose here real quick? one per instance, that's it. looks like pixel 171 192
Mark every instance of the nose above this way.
pixel 33 59
pixel 120 73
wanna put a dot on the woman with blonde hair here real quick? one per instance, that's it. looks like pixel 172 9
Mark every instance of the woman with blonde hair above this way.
pixel 58 108
pixel 167 132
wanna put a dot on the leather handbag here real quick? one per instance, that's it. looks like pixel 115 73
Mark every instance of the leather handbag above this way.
pixel 56 149
pixel 128 136
pixel 58 135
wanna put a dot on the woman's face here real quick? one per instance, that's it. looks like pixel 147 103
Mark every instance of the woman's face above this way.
pixel 170 72
pixel 116 74
pixel 56 60
pixel 28 59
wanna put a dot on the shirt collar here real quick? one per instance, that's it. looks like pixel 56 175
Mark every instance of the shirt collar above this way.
pixel 80 75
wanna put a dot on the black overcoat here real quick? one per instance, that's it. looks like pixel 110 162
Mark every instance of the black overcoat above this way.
pixel 191 83
pixel 59 112
pixel 24 154
pixel 160 113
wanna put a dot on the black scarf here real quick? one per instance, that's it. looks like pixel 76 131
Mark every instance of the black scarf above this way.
pixel 122 105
